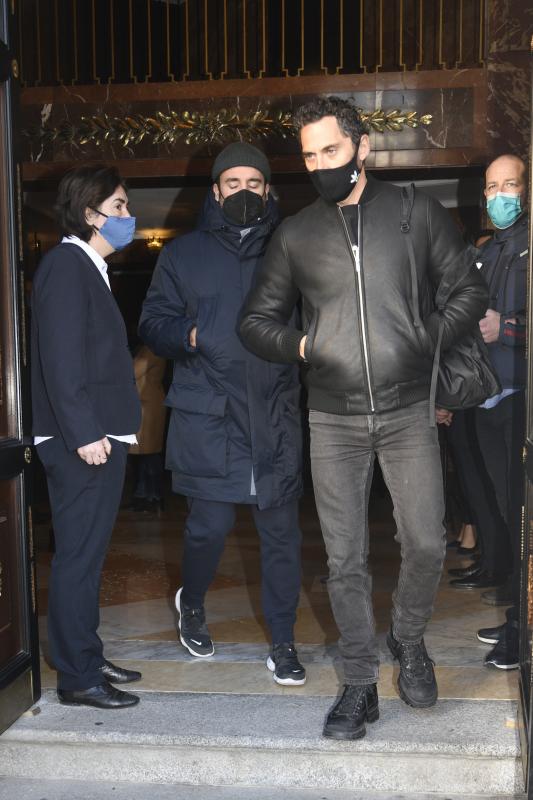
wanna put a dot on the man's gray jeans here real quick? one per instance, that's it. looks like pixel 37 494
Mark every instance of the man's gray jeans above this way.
pixel 343 449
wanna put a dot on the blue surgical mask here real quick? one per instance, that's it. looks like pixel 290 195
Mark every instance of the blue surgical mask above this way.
pixel 504 209
pixel 117 231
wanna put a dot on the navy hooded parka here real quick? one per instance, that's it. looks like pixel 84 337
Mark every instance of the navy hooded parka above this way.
pixel 231 411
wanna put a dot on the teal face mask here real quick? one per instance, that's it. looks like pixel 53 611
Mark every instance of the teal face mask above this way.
pixel 504 209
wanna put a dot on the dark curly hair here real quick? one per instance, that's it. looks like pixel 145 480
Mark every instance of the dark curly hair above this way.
pixel 81 188
pixel 344 112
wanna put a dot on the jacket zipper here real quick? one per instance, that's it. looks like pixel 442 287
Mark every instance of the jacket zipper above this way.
pixel 354 249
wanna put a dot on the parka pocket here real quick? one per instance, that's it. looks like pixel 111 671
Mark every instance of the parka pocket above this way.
pixel 290 455
pixel 197 436
pixel 206 335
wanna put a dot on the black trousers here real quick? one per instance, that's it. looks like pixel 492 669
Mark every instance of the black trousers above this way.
pixel 207 526
pixel 478 492
pixel 84 500
pixel 501 435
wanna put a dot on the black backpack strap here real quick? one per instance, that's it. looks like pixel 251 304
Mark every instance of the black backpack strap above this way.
pixel 408 199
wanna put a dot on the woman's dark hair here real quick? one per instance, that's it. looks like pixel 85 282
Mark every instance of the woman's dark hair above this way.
pixel 345 113
pixel 81 188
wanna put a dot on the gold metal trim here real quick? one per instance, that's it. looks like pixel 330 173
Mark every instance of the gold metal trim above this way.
pixel 96 79
pixel 170 73
pixel 420 59
pixel 39 67
pixel 75 37
pixel 206 42
pixel 441 33
pixel 459 62
pixel 302 38
pixel 149 41
pixel 341 38
pixel 193 127
pixel 15 68
pixel 187 51
pixel 56 24
pixel 284 68
pixel 132 76
pixel 112 36
pixel 263 71
pixel 224 72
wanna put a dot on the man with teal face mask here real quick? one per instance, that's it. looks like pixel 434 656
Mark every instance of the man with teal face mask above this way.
pixel 500 422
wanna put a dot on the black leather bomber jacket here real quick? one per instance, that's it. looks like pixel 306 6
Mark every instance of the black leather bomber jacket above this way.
pixel 364 353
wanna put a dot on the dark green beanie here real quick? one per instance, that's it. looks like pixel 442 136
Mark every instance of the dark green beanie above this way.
pixel 240 154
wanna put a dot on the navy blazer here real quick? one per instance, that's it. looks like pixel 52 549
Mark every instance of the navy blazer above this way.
pixel 83 386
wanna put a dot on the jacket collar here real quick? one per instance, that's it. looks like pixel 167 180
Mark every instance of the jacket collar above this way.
pixel 501 236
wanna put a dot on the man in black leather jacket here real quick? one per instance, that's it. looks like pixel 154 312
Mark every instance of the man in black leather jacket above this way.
pixel 500 422
pixel 368 343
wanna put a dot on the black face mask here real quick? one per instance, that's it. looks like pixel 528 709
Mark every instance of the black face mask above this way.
pixel 243 207
pixel 334 185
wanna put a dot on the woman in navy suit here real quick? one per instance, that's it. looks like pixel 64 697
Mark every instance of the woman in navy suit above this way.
pixel 86 413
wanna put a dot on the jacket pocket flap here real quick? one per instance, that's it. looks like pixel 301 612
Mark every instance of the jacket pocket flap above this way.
pixel 197 400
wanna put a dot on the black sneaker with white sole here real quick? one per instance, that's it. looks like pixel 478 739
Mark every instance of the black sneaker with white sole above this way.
pixel 505 653
pixel 194 634
pixel 491 635
pixel 283 662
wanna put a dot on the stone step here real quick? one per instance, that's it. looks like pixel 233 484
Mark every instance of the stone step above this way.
pixel 24 789
pixel 457 747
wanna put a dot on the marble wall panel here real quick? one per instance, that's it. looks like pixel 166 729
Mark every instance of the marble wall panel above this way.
pixel 509 29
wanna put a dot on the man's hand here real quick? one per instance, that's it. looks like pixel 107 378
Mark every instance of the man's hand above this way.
pixel 302 347
pixel 192 337
pixel 443 416
pixel 490 326
pixel 95 452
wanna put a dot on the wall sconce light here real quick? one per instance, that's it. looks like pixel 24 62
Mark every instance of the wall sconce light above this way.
pixel 154 242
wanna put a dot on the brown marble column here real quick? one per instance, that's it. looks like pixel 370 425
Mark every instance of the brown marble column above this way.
pixel 509 29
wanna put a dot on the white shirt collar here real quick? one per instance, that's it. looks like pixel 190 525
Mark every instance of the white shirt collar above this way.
pixel 95 257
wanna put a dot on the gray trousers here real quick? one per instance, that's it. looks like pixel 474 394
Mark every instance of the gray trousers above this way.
pixel 343 449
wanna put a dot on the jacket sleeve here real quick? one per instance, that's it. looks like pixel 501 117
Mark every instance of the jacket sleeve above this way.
pixel 264 327
pixel 452 268
pixel 60 303
pixel 513 334
pixel 164 324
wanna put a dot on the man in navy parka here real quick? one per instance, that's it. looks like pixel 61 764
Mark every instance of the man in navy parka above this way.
pixel 235 426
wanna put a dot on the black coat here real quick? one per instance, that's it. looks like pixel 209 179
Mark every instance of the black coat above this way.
pixel 230 409
pixel 504 260
pixel 83 386
pixel 364 351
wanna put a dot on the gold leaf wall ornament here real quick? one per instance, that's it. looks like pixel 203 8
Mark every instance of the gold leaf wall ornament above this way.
pixel 194 127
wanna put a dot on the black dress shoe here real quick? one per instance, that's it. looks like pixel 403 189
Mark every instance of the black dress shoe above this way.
pixel 118 675
pixel 467 551
pixel 501 596
pixel 357 705
pixel 465 572
pixel 481 579
pixel 453 544
pixel 102 696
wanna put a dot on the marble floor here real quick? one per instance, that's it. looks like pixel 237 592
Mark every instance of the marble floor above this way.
pixel 142 572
